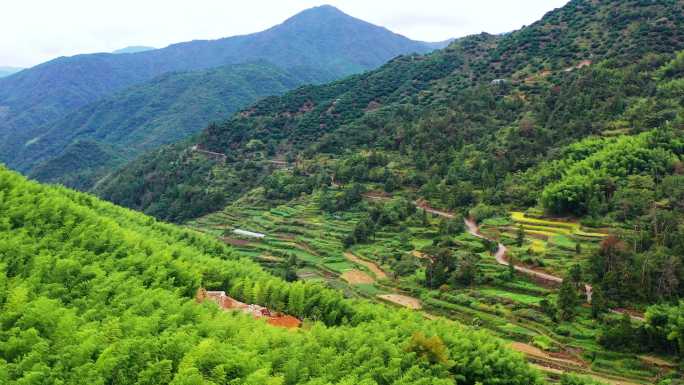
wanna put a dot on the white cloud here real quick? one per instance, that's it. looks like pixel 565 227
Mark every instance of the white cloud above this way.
pixel 34 31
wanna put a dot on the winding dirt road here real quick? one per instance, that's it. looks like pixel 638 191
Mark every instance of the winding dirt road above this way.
pixel 500 256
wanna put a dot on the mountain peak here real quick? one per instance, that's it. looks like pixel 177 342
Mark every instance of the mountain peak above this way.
pixel 323 9
pixel 318 14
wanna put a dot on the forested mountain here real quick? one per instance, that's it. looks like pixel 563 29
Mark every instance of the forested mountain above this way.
pixel 162 111
pixel 476 112
pixel 92 293
pixel 320 44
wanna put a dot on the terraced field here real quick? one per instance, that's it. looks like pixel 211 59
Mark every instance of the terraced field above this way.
pixel 301 230
pixel 550 245
pixel 508 306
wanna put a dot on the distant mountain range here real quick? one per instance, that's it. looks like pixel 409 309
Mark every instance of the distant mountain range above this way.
pixel 7 71
pixel 87 143
pixel 133 49
pixel 78 97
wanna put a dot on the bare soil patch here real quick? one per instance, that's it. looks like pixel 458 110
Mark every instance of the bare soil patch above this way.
pixel 284 321
pixel 228 303
pixel 379 274
pixel 402 300
pixel 535 352
pixel 235 241
pixel 657 362
pixel 357 277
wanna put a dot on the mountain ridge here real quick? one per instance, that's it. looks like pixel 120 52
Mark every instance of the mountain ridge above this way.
pixel 133 49
pixel 165 110
pixel 7 71
pixel 334 46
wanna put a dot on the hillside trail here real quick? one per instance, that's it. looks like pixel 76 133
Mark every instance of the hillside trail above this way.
pixel 500 256
pixel 501 251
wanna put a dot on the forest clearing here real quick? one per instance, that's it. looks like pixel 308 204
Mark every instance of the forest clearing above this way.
pixel 228 303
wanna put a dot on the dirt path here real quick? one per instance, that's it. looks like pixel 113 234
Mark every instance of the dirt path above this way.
pixel 544 361
pixel 379 274
pixel 500 254
pixel 658 362
pixel 357 277
pixel 402 300
pixel 423 205
pixel 535 352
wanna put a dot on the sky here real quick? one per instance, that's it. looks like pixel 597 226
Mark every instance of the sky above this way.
pixel 35 31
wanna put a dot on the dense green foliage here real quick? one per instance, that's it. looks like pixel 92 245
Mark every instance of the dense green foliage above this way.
pixel 91 293
pixel 162 111
pixel 608 167
pixel 81 163
pixel 397 78
pixel 636 182
pixel 76 97
pixel 189 185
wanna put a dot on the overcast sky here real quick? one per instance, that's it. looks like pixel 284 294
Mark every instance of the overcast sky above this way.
pixel 34 31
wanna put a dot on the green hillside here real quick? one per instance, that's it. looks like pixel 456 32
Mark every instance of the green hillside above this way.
pixel 162 111
pixel 81 163
pixel 506 210
pixel 93 293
